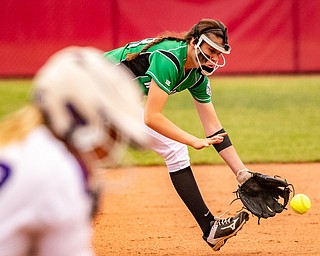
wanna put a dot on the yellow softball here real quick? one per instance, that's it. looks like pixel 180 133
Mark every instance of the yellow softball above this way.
pixel 300 203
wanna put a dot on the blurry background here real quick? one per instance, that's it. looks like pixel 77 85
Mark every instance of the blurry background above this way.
pixel 266 36
pixel 270 118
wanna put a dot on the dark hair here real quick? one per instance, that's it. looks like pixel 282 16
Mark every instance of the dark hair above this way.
pixel 205 26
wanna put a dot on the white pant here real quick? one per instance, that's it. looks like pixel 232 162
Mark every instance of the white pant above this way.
pixel 174 153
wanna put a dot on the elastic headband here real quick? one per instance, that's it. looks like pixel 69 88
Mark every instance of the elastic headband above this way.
pixel 222 48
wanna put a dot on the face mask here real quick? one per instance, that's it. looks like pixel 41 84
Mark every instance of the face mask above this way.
pixel 204 69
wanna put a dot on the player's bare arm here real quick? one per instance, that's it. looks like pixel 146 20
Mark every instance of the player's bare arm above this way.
pixel 154 118
pixel 211 125
pixel 208 117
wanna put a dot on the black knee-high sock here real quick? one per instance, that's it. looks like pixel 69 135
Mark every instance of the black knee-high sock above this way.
pixel 187 188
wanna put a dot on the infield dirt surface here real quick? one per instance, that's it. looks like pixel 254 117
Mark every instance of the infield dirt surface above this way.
pixel 145 216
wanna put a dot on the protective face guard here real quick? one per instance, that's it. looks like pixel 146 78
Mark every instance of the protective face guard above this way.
pixel 219 47
pixel 205 70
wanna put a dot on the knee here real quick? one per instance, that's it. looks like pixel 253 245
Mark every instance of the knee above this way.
pixel 177 158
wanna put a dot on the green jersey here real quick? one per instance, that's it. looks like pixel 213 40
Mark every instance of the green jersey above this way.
pixel 164 63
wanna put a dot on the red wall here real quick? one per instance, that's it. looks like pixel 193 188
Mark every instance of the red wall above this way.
pixel 266 36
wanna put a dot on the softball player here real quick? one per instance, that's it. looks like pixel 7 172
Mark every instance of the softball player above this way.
pixel 49 152
pixel 169 64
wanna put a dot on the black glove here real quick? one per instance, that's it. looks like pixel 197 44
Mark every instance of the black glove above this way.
pixel 263 195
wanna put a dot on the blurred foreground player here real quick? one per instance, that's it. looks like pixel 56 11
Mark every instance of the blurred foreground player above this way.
pixel 50 149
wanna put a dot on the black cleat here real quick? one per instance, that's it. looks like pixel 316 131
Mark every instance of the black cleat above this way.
pixel 223 229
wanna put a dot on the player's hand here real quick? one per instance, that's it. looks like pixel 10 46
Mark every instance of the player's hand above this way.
pixel 204 143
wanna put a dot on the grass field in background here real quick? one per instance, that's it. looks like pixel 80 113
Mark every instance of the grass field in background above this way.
pixel 13 94
pixel 269 118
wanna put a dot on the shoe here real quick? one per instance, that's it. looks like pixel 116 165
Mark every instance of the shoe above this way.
pixel 223 229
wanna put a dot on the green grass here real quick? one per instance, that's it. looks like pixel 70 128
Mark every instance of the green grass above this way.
pixel 272 119
pixel 13 94
pixel 269 118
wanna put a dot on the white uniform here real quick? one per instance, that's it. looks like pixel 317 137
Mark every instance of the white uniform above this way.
pixel 174 153
pixel 44 207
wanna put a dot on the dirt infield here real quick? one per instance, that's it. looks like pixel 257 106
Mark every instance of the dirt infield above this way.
pixel 148 218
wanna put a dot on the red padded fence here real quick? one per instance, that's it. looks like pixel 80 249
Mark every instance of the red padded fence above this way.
pixel 266 36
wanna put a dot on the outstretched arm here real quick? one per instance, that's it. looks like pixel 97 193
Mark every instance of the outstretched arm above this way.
pixel 154 118
pixel 211 125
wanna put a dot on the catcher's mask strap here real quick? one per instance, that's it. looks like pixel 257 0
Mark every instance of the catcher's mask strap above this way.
pixel 226 49
pixel 200 36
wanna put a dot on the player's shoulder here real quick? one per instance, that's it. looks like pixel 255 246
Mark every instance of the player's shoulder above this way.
pixel 38 154
pixel 170 52
pixel 171 45
pixel 42 143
